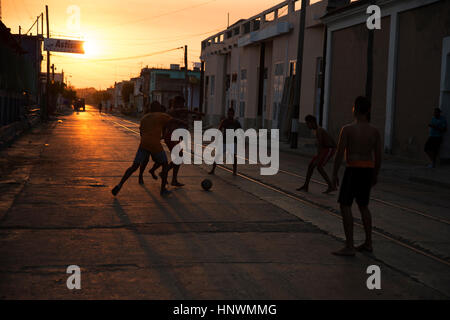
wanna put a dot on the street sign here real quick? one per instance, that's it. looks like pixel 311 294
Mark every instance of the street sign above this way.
pixel 64 45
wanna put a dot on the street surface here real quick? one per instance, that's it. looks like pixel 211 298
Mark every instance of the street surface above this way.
pixel 250 237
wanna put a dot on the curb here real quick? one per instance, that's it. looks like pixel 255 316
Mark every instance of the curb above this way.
pixel 12 131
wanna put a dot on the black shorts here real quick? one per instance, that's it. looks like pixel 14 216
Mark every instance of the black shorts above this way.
pixel 433 144
pixel 143 156
pixel 356 184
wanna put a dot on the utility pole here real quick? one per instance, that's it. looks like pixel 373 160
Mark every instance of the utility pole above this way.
pixel 47 94
pixel 186 79
pixel 202 86
pixel 298 75
pixel 53 72
pixel 20 30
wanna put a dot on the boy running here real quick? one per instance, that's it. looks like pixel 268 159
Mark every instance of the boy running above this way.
pixel 360 142
pixel 326 148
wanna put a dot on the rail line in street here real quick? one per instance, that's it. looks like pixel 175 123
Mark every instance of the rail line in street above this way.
pixel 323 209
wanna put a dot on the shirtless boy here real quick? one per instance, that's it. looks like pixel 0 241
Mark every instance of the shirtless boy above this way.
pixel 151 128
pixel 361 144
pixel 326 148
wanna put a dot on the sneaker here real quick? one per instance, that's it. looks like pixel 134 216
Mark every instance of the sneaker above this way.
pixel 165 192
pixel 115 190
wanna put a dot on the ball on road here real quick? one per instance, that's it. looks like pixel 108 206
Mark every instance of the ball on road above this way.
pixel 206 184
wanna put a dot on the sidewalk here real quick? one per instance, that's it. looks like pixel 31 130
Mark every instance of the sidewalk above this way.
pixel 411 170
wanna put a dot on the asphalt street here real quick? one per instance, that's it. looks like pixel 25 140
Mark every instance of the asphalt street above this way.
pixel 250 237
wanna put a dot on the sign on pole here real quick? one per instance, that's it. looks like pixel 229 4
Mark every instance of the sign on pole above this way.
pixel 64 45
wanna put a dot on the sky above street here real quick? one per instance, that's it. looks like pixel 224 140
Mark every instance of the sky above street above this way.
pixel 119 29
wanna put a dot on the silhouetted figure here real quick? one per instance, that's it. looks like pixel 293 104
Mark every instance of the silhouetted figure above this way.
pixel 360 142
pixel 326 148
pixel 228 123
pixel 438 126
pixel 151 128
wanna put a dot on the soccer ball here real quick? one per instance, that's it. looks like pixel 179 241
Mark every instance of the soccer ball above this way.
pixel 206 184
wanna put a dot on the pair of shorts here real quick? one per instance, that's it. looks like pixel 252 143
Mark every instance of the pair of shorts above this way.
pixel 143 156
pixel 433 144
pixel 356 184
pixel 323 157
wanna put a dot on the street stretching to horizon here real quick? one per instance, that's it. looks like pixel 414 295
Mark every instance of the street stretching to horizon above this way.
pixel 249 237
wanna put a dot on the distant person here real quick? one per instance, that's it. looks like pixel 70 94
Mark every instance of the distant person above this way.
pixel 326 148
pixel 100 107
pixel 229 146
pixel 360 142
pixel 438 126
pixel 150 130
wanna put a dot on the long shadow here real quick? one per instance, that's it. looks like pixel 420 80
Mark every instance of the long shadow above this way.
pixel 167 276
pixel 236 269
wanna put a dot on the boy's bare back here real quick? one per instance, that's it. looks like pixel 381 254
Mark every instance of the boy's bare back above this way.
pixel 362 141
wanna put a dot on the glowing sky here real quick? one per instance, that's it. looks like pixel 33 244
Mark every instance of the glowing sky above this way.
pixel 115 29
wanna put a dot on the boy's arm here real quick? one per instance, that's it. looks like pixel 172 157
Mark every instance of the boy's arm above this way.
pixel 320 139
pixel 221 125
pixel 377 154
pixel 342 145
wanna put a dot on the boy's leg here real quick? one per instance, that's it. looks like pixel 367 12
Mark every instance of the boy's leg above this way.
pixel 324 174
pixel 309 173
pixel 214 165
pixel 347 221
pixel 141 171
pixel 365 179
pixel 125 177
pixel 161 158
pixel 176 169
pixel 141 156
pixel 367 222
pixel 224 150
pixel 163 175
pixel 156 165
pixel 346 195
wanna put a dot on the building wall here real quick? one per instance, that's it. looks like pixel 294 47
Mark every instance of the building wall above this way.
pixel 421 32
pixel 348 74
pixel 279 49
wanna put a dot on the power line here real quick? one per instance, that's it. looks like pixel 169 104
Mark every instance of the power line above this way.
pixel 160 15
